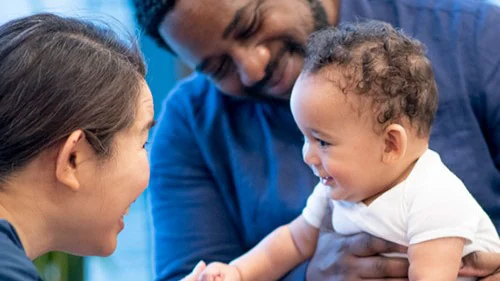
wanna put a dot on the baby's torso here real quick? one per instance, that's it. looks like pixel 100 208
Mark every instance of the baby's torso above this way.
pixel 430 203
pixel 387 218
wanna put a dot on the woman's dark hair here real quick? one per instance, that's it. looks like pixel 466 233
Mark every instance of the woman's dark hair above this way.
pixel 58 75
pixel 381 63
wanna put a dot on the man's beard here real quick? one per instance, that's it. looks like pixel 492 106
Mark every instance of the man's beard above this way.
pixel 319 14
pixel 291 47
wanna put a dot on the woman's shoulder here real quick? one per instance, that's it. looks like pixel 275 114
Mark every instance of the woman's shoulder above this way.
pixel 14 264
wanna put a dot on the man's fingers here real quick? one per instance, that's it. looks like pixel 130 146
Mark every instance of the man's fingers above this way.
pixel 494 277
pixel 382 267
pixel 481 264
pixel 357 256
pixel 365 245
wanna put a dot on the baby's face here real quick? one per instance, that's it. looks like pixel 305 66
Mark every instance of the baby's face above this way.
pixel 340 143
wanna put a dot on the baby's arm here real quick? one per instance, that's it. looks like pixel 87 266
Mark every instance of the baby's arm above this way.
pixel 437 259
pixel 278 253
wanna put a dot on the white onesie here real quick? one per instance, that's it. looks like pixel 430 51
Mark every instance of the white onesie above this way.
pixel 431 203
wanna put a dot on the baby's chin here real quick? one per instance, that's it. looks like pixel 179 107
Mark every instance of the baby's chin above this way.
pixel 335 193
pixel 339 194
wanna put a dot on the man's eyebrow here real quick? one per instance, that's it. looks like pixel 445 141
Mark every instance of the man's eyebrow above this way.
pixel 238 15
pixel 231 27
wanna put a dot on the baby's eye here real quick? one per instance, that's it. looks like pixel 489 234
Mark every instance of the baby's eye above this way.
pixel 146 145
pixel 322 143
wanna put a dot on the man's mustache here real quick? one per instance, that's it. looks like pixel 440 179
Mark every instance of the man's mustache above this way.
pixel 289 46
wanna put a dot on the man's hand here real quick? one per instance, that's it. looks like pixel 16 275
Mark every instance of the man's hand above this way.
pixel 356 257
pixel 481 264
pixel 193 276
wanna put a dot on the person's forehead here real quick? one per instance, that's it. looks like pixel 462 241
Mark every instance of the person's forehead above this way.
pixel 198 25
pixel 323 89
pixel 144 108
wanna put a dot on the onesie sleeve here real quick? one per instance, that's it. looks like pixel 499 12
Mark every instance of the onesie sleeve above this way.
pixel 316 206
pixel 442 211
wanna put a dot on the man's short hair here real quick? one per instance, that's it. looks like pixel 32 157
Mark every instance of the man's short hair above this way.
pixel 150 14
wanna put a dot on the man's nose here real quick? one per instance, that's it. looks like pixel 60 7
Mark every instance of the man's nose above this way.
pixel 252 63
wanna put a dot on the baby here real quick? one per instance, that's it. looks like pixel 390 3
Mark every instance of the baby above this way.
pixel 365 102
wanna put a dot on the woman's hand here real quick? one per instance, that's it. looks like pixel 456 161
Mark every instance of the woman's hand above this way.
pixel 193 276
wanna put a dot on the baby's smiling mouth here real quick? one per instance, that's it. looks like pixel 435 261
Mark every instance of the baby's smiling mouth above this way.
pixel 326 180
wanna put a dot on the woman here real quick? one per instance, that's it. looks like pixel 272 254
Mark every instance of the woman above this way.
pixel 75 112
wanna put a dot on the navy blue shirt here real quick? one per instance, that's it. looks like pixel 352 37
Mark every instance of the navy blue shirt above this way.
pixel 14 264
pixel 226 171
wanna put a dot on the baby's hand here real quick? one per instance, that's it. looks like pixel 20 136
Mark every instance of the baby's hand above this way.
pixel 218 271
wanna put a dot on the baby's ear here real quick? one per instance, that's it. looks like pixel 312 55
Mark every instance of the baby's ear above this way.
pixel 68 159
pixel 395 143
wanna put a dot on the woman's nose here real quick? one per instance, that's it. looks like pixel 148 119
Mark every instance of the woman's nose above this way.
pixel 251 63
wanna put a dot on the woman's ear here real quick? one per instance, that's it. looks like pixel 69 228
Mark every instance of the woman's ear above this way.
pixel 69 158
pixel 395 143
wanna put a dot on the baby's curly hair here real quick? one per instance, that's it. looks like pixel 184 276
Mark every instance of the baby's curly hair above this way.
pixel 383 64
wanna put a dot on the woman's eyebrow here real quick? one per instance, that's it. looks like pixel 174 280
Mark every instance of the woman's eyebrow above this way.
pixel 149 125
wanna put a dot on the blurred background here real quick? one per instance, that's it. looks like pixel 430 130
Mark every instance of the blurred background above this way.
pixel 132 260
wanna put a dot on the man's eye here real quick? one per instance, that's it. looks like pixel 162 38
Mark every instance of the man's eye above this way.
pixel 251 29
pixel 256 22
pixel 222 69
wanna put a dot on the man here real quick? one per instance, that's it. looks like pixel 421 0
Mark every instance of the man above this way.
pixel 226 156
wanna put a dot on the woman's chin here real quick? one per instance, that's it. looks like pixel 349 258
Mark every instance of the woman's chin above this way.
pixel 102 248
pixel 108 249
